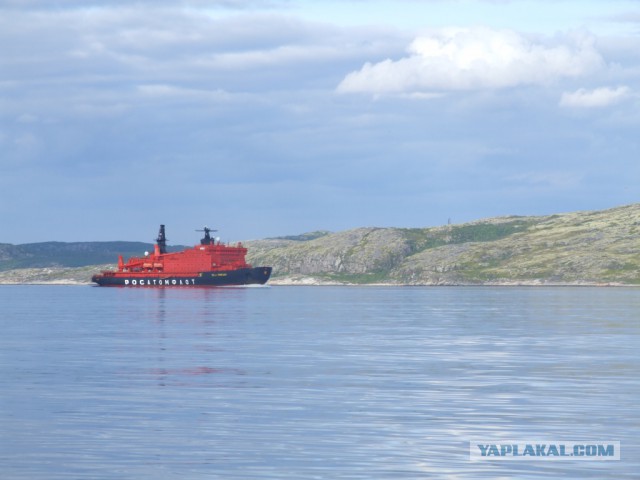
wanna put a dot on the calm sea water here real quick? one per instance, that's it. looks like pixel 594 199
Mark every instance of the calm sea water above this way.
pixel 313 382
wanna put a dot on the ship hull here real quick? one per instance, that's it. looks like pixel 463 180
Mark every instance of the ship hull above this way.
pixel 241 276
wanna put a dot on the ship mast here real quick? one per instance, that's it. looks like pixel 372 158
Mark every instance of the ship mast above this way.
pixel 162 240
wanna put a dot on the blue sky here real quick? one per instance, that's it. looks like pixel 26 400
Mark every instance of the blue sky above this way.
pixel 267 118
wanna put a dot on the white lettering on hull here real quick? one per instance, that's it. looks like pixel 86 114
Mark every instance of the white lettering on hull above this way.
pixel 155 281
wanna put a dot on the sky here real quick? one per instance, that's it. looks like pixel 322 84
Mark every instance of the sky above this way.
pixel 263 118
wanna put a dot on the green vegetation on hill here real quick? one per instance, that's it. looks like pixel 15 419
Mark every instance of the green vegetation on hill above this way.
pixel 305 236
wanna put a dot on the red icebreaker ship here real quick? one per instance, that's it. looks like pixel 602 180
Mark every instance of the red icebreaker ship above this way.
pixel 209 264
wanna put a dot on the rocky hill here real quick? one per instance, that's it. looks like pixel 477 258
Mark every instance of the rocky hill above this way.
pixel 575 248
pixel 601 247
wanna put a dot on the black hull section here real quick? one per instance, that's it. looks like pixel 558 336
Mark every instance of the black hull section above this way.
pixel 242 276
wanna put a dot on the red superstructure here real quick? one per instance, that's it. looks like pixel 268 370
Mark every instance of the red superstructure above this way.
pixel 210 263
pixel 209 256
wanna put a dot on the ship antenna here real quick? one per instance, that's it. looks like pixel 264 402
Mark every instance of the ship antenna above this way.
pixel 162 240
pixel 207 237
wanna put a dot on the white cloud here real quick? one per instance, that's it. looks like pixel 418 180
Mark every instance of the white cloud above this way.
pixel 552 179
pixel 599 97
pixel 170 91
pixel 476 58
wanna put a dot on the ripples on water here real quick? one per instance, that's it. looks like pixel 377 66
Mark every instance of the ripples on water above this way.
pixel 313 382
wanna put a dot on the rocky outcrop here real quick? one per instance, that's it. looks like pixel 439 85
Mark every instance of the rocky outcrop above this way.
pixel 354 252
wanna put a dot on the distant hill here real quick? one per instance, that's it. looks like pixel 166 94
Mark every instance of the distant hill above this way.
pixel 600 247
pixel 61 254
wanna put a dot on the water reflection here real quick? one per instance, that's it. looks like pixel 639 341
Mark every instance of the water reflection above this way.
pixel 185 325
pixel 279 383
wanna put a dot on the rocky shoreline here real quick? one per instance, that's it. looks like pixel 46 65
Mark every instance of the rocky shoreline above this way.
pixel 310 281
pixel 79 277
pixel 51 275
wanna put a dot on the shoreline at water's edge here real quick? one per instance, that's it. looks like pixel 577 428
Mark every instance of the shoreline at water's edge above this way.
pixel 309 281
pixel 312 282
pixel 82 277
